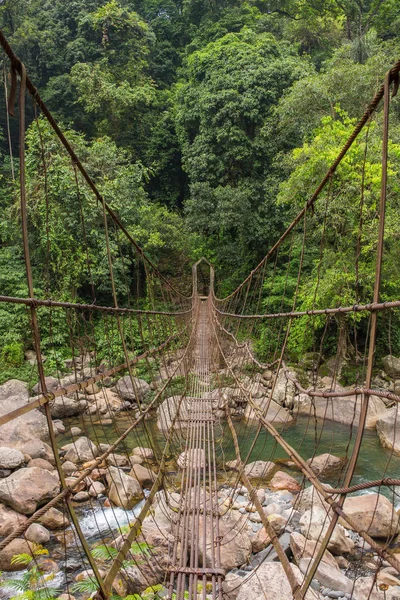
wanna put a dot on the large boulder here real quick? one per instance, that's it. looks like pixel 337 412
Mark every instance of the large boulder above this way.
pixel 259 469
pixel 314 524
pixel 391 366
pixel 64 406
pixel 275 413
pixel 235 546
pixel 10 520
pixel 388 428
pixel 373 513
pixel 194 457
pixel 82 450
pixel 54 519
pixel 27 489
pixel 132 389
pixel 345 409
pixel 38 449
pixel 37 534
pixel 328 576
pixel 145 476
pixel 304 548
pixel 284 390
pixel 367 588
pixel 271 582
pixel 124 491
pixel 33 424
pixel 106 402
pixel 323 464
pixel 10 458
pixel 284 481
pixel 17 546
pixel 168 409
pixel 309 498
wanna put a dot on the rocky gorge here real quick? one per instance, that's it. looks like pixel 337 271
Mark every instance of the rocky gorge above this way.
pixel 118 485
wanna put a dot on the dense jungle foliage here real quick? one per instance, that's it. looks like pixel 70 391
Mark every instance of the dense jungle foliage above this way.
pixel 206 125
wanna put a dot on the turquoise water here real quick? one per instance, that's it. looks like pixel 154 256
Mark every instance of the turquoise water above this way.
pixel 307 436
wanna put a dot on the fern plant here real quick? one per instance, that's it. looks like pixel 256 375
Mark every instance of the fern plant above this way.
pixel 33 584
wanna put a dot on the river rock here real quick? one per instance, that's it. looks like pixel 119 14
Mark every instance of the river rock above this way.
pixel 235 547
pixel 303 548
pixel 365 588
pixel 259 469
pixel 271 582
pixel 117 460
pixel 194 456
pixel 82 450
pixel 314 524
pixel 124 491
pixel 391 366
pixel 42 463
pixel 96 488
pixel 63 407
pixel 262 539
pixel 38 449
pixel 82 496
pixel 145 476
pixel 52 383
pixel 283 481
pixel 275 413
pixel 345 409
pixel 105 402
pixel 54 519
pixel 308 498
pixel 328 576
pixel 324 464
pixel 10 458
pixel 284 390
pixel 69 467
pixel 374 513
pixel 144 453
pixel 168 410
pixel 17 546
pixel 388 428
pixel 10 520
pixel 133 393
pixel 37 533
pixel 27 489
pixel 33 424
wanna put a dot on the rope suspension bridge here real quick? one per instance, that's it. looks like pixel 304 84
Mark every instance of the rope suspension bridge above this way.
pixel 210 434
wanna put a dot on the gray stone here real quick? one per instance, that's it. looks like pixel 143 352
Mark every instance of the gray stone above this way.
pixel 134 393
pixel 27 489
pixel 33 424
pixel 38 449
pixel 10 458
pixel 388 428
pixel 10 520
pixel 328 575
pixel 391 365
pixel 82 450
pixel 314 524
pixel 81 497
pixel 324 464
pixel 275 413
pixel 259 469
pixel 37 533
pixel 69 467
pixel 373 513
pixel 54 519
pixel 17 546
pixel 124 491
pixel 271 581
